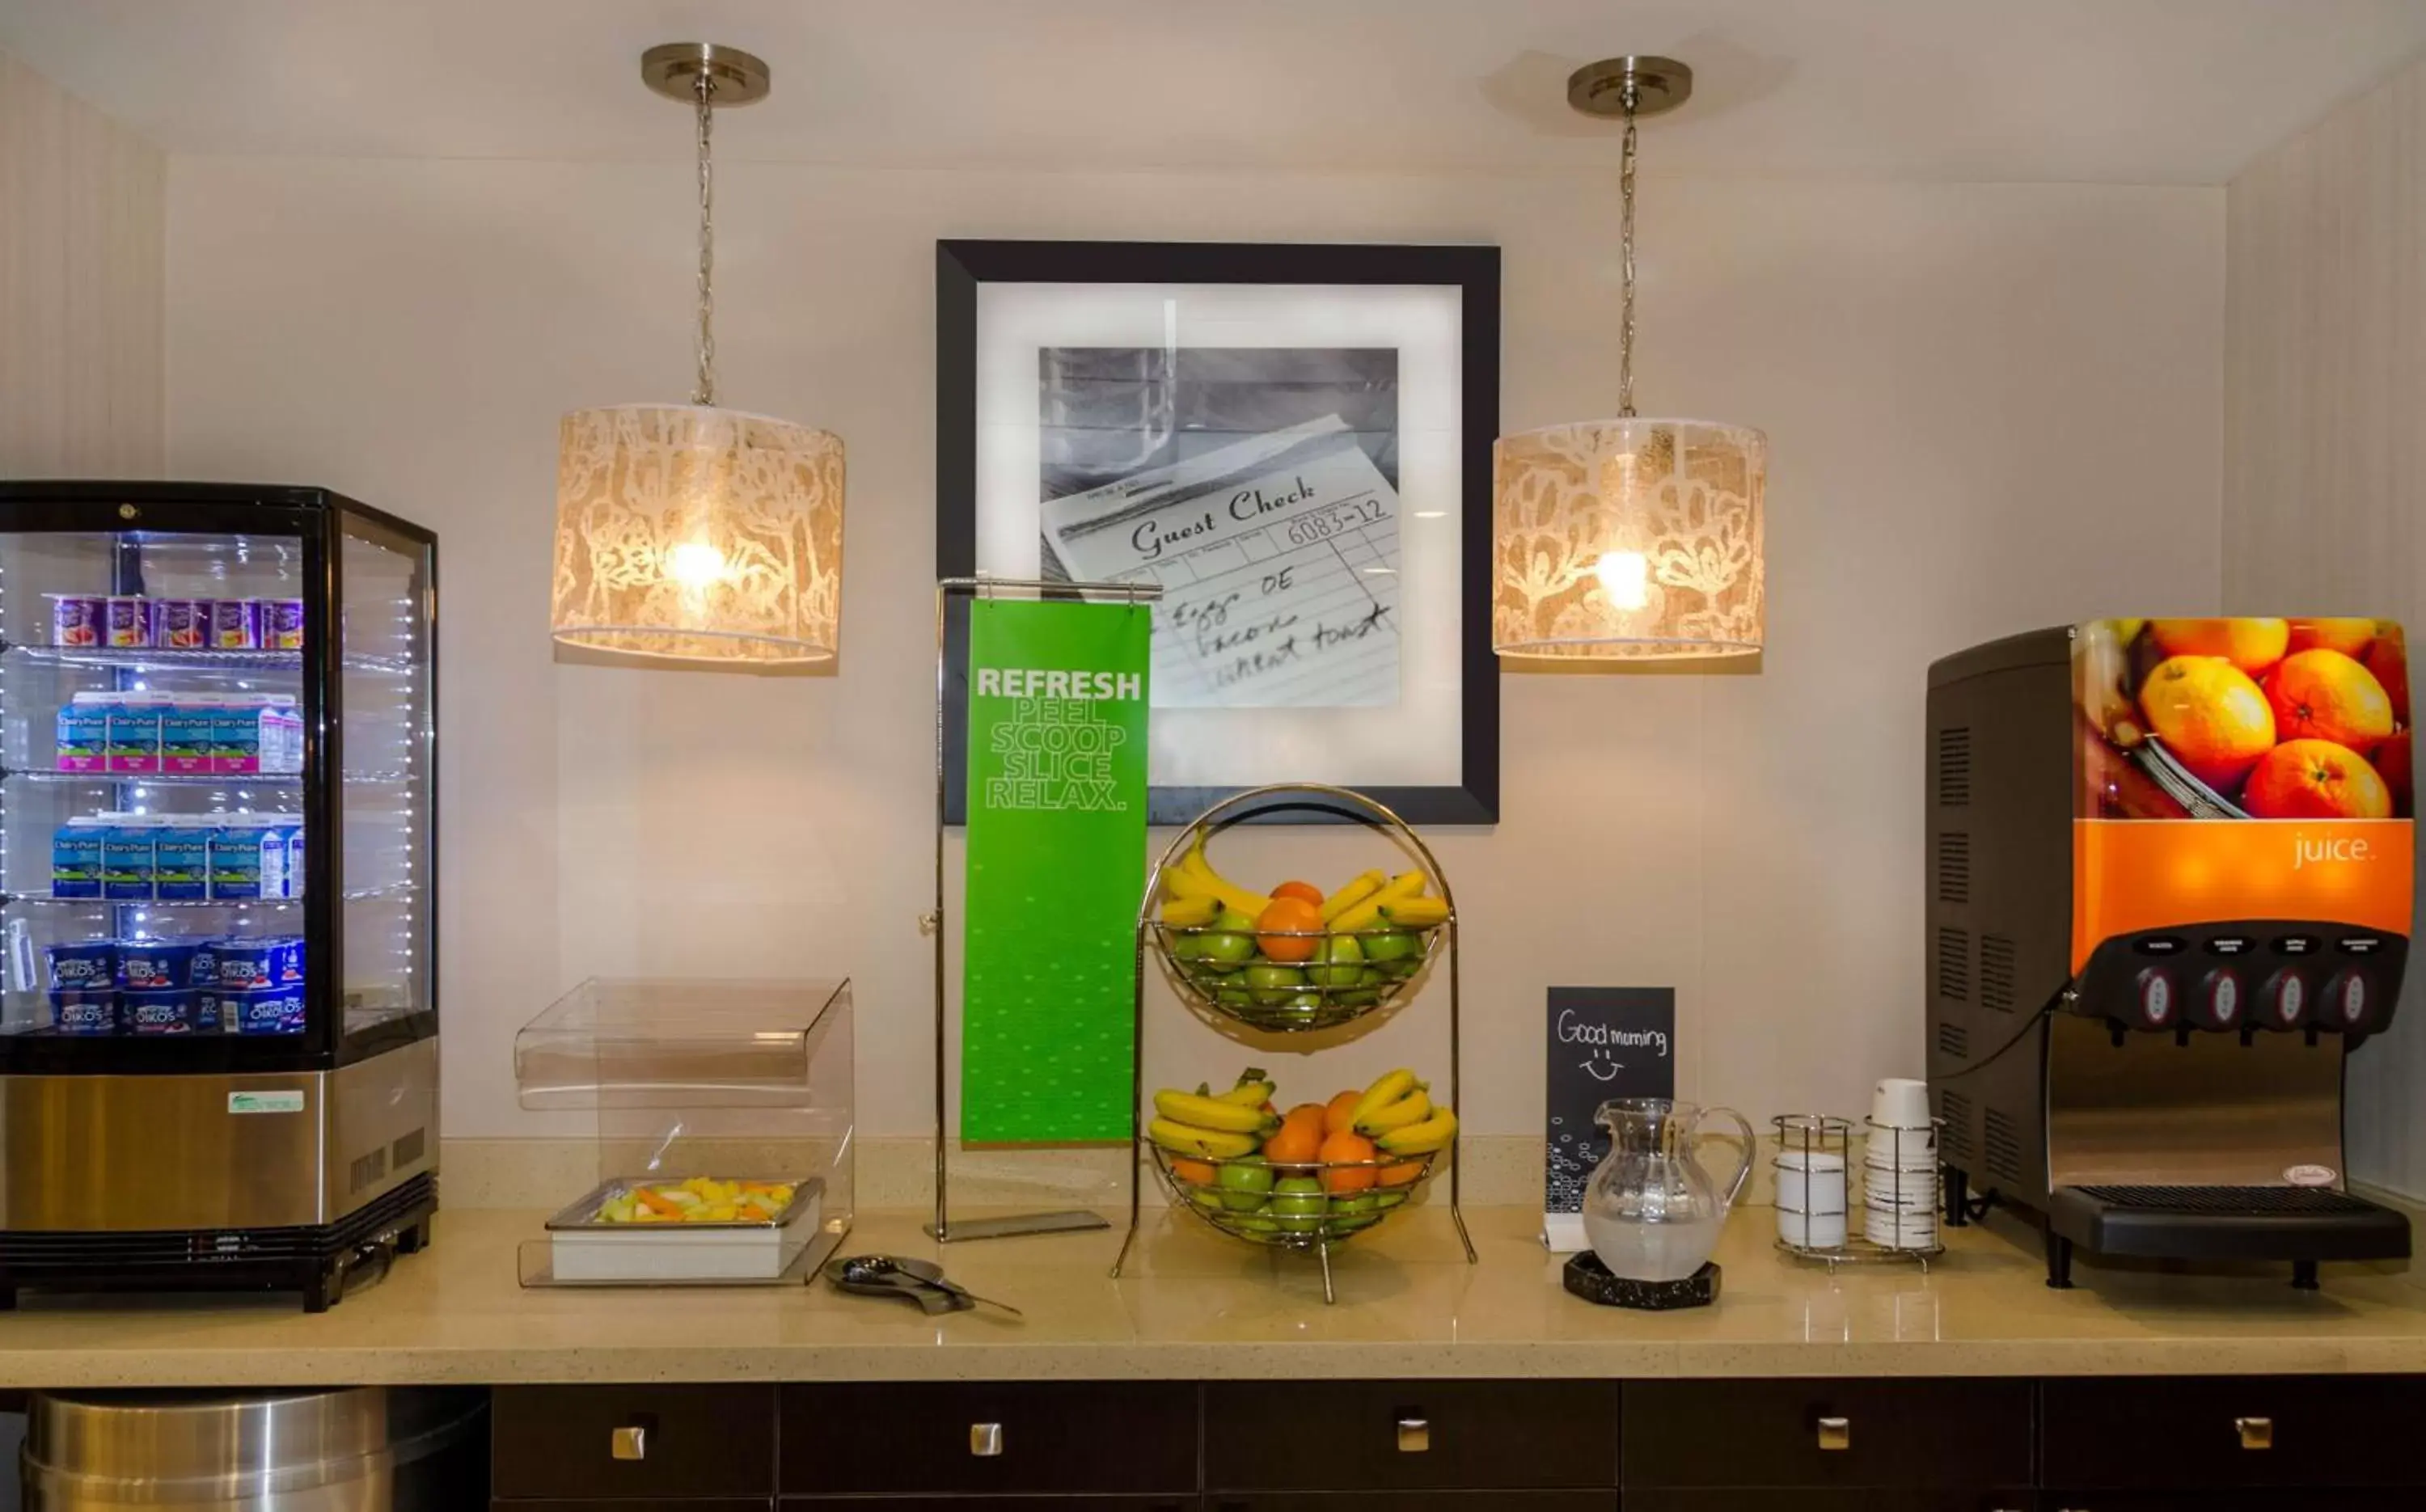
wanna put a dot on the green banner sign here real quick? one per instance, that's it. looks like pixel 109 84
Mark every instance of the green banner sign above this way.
pixel 1056 862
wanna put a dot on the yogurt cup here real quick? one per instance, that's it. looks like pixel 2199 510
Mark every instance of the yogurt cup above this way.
pixel 235 624
pixel 156 965
pixel 158 1013
pixel 78 965
pixel 77 619
pixel 126 623
pixel 282 624
pixel 182 624
pixel 84 1010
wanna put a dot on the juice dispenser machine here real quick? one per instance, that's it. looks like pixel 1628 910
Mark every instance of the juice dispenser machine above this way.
pixel 219 1017
pixel 2169 896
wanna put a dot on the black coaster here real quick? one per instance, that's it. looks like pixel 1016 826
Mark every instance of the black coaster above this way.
pixel 1590 1279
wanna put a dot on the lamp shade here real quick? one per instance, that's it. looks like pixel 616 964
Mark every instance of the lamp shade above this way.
pixel 1631 538
pixel 690 533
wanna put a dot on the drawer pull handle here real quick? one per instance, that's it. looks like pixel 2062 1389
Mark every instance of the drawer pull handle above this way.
pixel 1414 1436
pixel 2256 1433
pixel 630 1442
pixel 1835 1433
pixel 985 1440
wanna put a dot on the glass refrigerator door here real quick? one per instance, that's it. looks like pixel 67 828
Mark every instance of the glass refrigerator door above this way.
pixel 153 715
pixel 387 745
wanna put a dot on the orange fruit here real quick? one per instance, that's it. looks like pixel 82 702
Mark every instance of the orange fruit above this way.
pixel 2252 644
pixel 1344 1149
pixel 2352 637
pixel 1302 891
pixel 1403 1173
pixel 1342 1111
pixel 2390 661
pixel 2323 694
pixel 1194 1172
pixel 2392 763
pixel 2316 780
pixel 1298 1139
pixel 1289 930
pixel 2211 714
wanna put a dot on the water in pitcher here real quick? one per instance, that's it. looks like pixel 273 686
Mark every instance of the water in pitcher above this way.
pixel 1652 1251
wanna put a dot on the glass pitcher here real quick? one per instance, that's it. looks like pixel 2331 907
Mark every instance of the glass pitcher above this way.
pixel 1651 1212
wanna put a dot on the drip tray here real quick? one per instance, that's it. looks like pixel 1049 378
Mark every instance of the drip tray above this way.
pixel 2293 1223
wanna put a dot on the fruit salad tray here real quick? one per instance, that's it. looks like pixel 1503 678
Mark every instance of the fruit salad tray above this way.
pixel 696 1230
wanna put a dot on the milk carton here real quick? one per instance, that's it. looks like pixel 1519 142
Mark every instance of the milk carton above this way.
pixel 181 867
pixel 134 738
pixel 188 728
pixel 84 733
pixel 247 860
pixel 256 732
pixel 126 857
pixel 76 859
pixel 294 860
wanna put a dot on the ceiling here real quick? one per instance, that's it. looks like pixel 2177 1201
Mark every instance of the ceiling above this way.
pixel 2139 91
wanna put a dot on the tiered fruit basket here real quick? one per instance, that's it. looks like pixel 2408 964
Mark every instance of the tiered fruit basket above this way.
pixel 1295 961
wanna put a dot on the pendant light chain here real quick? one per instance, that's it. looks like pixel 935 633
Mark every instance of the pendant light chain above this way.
pixel 1626 253
pixel 705 391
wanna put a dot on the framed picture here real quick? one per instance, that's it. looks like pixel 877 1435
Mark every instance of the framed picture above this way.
pixel 1293 442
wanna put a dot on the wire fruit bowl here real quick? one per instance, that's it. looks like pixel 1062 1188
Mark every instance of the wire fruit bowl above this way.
pixel 1225 971
pixel 1353 1199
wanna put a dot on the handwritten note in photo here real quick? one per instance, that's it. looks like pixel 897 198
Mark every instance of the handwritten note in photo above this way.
pixel 1278 558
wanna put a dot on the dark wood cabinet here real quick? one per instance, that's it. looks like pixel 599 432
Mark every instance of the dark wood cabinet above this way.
pixel 626 1443
pixel 992 1438
pixel 642 1503
pixel 2160 1433
pixel 989 1503
pixel 1869 1500
pixel 1383 1435
pixel 1921 1434
pixel 1410 1501
pixel 2217 1501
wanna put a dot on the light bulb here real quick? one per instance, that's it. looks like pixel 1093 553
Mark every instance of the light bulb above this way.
pixel 1626 577
pixel 695 564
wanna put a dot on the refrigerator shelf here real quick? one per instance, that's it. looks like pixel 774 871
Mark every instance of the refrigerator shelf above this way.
pixel 359 894
pixel 153 659
pixel 190 778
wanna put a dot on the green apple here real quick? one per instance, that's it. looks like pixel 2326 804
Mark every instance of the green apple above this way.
pixel 1340 962
pixel 1231 941
pixel 1390 946
pixel 1359 1209
pixel 1252 1223
pixel 1299 1204
pixel 1235 997
pixel 1245 1183
pixel 1388 1198
pixel 1274 985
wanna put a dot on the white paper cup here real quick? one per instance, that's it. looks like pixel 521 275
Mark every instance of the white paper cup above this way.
pixel 1809 1180
pixel 1901 1102
pixel 1902 1149
pixel 1811 1230
pixel 1907 1233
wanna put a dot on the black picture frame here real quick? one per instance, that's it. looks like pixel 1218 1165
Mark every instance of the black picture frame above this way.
pixel 962 267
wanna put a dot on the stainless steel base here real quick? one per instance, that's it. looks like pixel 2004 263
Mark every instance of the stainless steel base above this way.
pixel 88 1154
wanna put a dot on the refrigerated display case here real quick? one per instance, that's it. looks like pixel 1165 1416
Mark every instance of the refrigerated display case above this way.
pixel 218 1015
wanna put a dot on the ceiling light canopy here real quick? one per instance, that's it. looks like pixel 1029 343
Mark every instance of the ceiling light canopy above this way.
pixel 1628 538
pixel 692 533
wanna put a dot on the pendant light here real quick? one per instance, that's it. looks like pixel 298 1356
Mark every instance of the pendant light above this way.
pixel 1628 538
pixel 691 533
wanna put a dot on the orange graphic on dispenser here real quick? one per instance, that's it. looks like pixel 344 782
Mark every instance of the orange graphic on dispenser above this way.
pixel 2131 877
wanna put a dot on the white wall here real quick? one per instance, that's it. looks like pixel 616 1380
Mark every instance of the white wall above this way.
pixel 2325 456
pixel 82 236
pixel 1991 407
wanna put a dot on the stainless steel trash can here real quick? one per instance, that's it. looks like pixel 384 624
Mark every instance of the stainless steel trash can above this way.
pixel 353 1449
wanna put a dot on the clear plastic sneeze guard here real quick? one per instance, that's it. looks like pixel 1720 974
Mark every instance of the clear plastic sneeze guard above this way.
pixel 722 1113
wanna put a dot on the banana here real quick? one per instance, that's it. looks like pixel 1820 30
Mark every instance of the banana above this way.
pixel 1191 912
pixel 1411 1109
pixel 1416 913
pixel 1389 1090
pixel 1354 893
pixel 1253 1091
pixel 1422 1138
pixel 1206 1144
pixel 1179 882
pixel 1200 872
pixel 1204 1113
pixel 1367 914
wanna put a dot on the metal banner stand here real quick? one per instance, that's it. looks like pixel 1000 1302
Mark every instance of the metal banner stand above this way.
pixel 943 1229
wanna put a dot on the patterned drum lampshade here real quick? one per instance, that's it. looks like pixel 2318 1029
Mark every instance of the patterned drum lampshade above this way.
pixel 691 533
pixel 1632 537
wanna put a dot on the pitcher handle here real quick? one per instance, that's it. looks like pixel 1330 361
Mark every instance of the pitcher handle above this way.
pixel 1750 1148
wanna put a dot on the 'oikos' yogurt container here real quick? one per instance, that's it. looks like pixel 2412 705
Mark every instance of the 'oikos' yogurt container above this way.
pixel 77 619
pixel 182 624
pixel 275 1011
pixel 91 1010
pixel 158 1013
pixel 77 964
pixel 156 965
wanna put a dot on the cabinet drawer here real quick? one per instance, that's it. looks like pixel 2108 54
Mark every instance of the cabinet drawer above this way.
pixel 1044 1436
pixel 1953 1434
pixel 1872 1500
pixel 578 1442
pixel 2305 1501
pixel 1178 1503
pixel 1348 1435
pixel 644 1504
pixel 2165 1432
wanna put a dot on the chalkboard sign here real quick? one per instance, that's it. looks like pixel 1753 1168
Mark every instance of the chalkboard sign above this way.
pixel 1604 1042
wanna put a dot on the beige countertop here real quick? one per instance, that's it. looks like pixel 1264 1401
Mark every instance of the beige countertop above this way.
pixel 1197 1305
